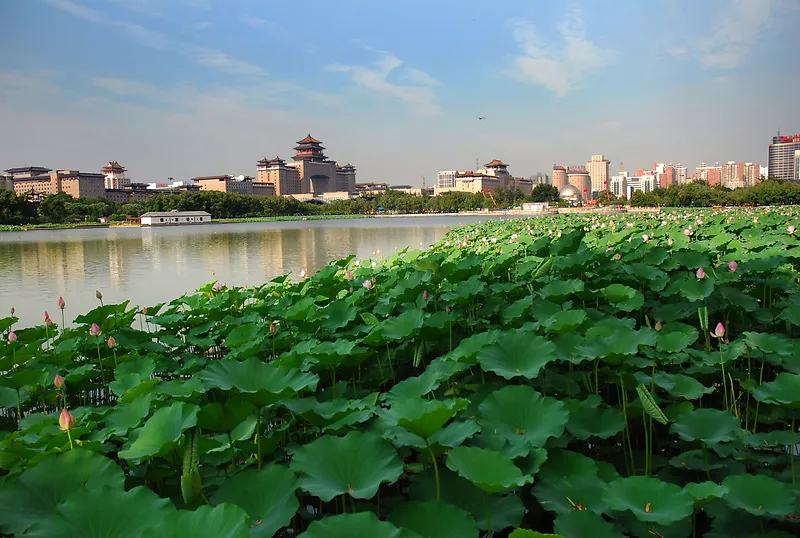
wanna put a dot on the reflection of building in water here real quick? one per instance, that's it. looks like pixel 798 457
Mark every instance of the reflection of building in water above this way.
pixel 115 263
pixel 58 261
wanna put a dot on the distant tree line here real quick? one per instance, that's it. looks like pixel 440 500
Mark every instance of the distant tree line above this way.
pixel 62 208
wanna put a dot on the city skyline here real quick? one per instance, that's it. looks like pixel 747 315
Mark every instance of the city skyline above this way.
pixel 200 87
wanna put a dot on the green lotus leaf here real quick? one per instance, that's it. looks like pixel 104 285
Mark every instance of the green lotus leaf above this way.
pixel 705 491
pixel 525 533
pixel 424 417
pixel 454 433
pixel 769 343
pixel 623 297
pixel 106 511
pixel 221 521
pixel 558 290
pixel 434 519
pixel 506 510
pixel 565 321
pixel 586 419
pixel 568 480
pixel 402 326
pixel 760 495
pixel 469 347
pixel 254 376
pixel 784 390
pixel 129 415
pixel 676 337
pixel 361 525
pixel 268 497
pixel 161 431
pixel 520 413
pixel 681 386
pixel 695 289
pixel 338 314
pixel 217 417
pixel 583 523
pixel 488 470
pixel 650 499
pixel 357 464
pixel 37 492
pixel 518 354
pixel 707 425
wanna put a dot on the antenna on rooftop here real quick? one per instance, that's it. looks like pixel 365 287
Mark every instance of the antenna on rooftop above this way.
pixel 423 182
pixel 621 167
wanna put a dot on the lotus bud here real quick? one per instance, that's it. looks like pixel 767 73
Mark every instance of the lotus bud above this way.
pixel 12 337
pixel 790 229
pixel 732 266
pixel 670 241
pixel 12 310
pixel 111 342
pixel 98 295
pixel 302 273
pixel 645 238
pixel 617 256
pixel 719 331
pixel 47 320
pixel 609 249
pixel 425 295
pixel 144 310
pixel 687 232
pixel 658 326
pixel 349 274
pixel 217 286
pixel 61 303
pixel 368 284
pixel 271 328
pixel 94 330
pixel 701 274
pixel 65 420
pixel 58 382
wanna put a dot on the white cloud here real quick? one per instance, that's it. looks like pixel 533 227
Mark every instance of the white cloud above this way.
pixel 678 50
pixel 417 95
pixel 557 67
pixel 202 25
pixel 737 28
pixel 201 55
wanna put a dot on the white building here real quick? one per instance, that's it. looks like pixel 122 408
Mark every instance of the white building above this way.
pixel 174 218
pixel 644 183
pixel 115 177
pixel 618 185
pixel 446 179
pixel 680 174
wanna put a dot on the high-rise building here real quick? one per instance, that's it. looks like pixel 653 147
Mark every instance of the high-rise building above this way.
pixel 782 163
pixel 710 174
pixel 492 177
pixel 665 175
pixel 446 179
pixel 797 165
pixel 752 174
pixel 559 177
pixel 581 180
pixel 598 172
pixel 680 174
pixel 732 175
pixel 285 178
pixel 618 185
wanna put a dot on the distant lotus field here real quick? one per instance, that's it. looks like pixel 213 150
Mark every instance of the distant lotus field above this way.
pixel 579 376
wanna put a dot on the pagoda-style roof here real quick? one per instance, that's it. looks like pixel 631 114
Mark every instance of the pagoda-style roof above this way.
pixel 309 140
pixel 29 169
pixel 113 166
pixel 496 163
pixel 277 160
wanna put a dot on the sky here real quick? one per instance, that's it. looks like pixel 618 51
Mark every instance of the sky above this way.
pixel 182 88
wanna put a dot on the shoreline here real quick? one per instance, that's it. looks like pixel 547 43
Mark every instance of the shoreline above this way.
pixel 293 218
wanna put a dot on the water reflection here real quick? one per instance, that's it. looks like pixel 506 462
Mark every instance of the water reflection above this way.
pixel 148 265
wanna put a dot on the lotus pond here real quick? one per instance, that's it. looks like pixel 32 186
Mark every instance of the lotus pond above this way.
pixel 584 376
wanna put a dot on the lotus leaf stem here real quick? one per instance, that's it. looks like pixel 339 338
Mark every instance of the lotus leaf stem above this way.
pixel 488 516
pixel 435 470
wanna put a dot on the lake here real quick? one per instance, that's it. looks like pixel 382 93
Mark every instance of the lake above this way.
pixel 153 265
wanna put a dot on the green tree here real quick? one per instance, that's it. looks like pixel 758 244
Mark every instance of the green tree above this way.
pixel 15 209
pixel 544 193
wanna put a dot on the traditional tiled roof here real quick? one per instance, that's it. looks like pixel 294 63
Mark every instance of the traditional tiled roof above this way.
pixel 113 166
pixel 309 140
pixel 496 163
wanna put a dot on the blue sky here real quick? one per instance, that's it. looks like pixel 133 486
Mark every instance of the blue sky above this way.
pixel 199 87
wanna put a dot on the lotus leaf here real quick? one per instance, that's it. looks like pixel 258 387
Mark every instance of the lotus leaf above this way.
pixel 221 521
pixel 268 497
pixel 785 390
pixel 488 470
pixel 518 354
pixel 707 425
pixel 759 495
pixel 424 417
pixel 525 533
pixel 650 499
pixel 582 523
pixel 356 464
pixel 518 413
pixel 161 430
pixel 252 376
pixel 434 519
pixel 361 525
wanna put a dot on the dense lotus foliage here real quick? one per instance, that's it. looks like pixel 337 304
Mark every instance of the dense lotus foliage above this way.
pixel 592 376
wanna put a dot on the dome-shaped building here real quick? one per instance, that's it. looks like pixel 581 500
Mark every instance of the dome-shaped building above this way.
pixel 571 194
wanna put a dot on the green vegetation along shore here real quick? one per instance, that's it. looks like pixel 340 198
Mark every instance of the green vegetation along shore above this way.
pixel 600 376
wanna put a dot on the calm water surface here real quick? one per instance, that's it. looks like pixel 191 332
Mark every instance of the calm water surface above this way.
pixel 152 265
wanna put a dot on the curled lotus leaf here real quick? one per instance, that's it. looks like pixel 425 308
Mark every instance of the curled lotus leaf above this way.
pixel 650 499
pixel 161 431
pixel 487 469
pixel 254 376
pixel 424 417
pixel 784 390
pixel 356 464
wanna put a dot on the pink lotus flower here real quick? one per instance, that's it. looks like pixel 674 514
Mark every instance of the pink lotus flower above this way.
pixel 514 236
pixel 719 331
pixel 368 284
pixel 732 266
pixel 790 229
pixel 98 295
pixel 94 330
pixel 658 326
pixel 617 256
pixel 47 320
pixel 609 249
pixel 687 232
pixel 349 274
pixel 425 295
pixel 271 328
pixel 12 337
pixel 217 286
pixel 111 342
pixel 65 420
pixel 58 382
pixel 701 274
pixel 61 303
pixel 670 241
pixel 645 238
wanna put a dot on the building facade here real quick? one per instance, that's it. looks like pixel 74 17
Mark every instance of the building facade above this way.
pixel 598 171
pixel 752 174
pixel 618 185
pixel 36 182
pixel 242 185
pixel 174 218
pixel 115 176
pixel 782 162
pixel 680 174
pixel 581 180
pixel 286 179
pixel 559 177
pixel 493 176
pixel 446 179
